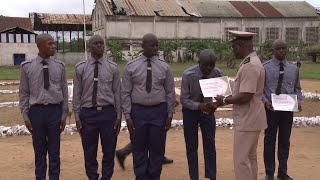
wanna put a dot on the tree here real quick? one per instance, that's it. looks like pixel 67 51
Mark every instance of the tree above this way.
pixel 115 50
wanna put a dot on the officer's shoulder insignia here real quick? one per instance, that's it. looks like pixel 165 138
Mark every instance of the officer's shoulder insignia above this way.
pixel 113 63
pixel 26 62
pixel 162 60
pixel 60 62
pixel 81 62
pixel 266 62
pixel 247 60
pixel 133 60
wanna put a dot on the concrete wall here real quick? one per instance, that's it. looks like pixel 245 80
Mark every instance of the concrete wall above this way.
pixel 130 28
pixel 8 49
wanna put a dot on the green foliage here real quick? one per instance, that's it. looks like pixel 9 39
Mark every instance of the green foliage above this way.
pixel 115 50
pixel 135 54
pixel 265 51
pixel 168 47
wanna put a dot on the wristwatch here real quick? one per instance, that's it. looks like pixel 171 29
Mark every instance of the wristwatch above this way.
pixel 224 101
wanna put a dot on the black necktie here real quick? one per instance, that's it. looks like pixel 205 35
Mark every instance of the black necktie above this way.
pixel 95 84
pixel 281 73
pixel 46 82
pixel 149 76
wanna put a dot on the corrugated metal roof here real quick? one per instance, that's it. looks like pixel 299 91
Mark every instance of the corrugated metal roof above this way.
pixel 294 8
pixel 63 18
pixel 245 9
pixel 162 7
pixel 11 22
pixel 106 7
pixel 267 9
pixel 209 8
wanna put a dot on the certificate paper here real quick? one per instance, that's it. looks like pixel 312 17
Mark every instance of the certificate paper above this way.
pixel 284 102
pixel 215 86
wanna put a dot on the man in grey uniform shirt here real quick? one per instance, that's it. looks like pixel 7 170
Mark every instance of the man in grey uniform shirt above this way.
pixel 97 109
pixel 148 101
pixel 282 77
pixel 198 111
pixel 43 100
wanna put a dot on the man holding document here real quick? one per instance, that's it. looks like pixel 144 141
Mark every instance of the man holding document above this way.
pixel 198 110
pixel 282 95
pixel 249 115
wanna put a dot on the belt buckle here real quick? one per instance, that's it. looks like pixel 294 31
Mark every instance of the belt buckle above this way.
pixel 45 104
pixel 99 108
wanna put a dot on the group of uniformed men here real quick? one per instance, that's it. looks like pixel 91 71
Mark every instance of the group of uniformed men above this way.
pixel 146 97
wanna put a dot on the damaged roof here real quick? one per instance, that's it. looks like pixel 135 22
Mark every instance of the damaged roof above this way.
pixel 47 18
pixel 208 8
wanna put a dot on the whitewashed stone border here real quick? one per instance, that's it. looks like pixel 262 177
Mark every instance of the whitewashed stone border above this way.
pixel 19 130
pixel 9 91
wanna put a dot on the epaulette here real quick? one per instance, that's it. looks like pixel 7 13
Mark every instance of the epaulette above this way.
pixel 162 60
pixel 247 60
pixel 81 62
pixel 113 63
pixel 132 61
pixel 59 62
pixel 266 62
pixel 25 62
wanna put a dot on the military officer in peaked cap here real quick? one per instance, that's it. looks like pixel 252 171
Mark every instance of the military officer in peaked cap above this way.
pixel 248 109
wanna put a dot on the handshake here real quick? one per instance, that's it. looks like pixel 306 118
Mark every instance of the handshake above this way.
pixel 211 106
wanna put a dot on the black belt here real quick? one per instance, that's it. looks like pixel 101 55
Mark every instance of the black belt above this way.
pixel 98 108
pixel 45 105
pixel 156 105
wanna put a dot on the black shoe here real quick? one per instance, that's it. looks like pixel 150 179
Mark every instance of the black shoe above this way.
pixel 269 177
pixel 121 157
pixel 167 161
pixel 284 177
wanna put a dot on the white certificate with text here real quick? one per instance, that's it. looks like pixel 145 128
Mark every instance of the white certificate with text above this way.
pixel 284 102
pixel 215 86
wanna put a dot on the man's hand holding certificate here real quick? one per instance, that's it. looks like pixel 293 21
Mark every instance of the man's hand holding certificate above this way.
pixel 284 102
pixel 215 86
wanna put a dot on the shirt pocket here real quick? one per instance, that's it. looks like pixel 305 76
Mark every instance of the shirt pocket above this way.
pixel 159 81
pixel 106 83
pixel 55 81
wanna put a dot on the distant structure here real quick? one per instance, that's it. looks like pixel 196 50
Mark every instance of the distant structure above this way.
pixel 17 40
pixel 129 20
pixel 62 27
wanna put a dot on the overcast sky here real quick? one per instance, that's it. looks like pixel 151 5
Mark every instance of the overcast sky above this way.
pixel 21 8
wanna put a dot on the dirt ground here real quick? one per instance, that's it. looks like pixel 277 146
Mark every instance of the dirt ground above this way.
pixel 17 162
pixel 17 158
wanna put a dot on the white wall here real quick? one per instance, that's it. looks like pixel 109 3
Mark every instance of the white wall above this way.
pixel 8 49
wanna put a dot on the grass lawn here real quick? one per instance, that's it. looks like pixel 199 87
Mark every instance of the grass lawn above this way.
pixel 309 70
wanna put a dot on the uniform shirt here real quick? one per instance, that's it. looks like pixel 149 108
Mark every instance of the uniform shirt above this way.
pixel 290 82
pixel 250 78
pixel 31 90
pixel 108 90
pixel 134 84
pixel 190 86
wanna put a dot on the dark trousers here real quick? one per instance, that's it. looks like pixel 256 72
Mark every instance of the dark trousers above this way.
pixel 148 140
pixel 45 122
pixel 95 123
pixel 281 120
pixel 191 121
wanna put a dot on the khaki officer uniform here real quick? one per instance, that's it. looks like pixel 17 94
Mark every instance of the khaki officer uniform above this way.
pixel 249 118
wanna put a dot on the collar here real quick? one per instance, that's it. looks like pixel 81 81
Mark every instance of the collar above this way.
pixel 277 62
pixel 92 60
pixel 40 59
pixel 153 58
